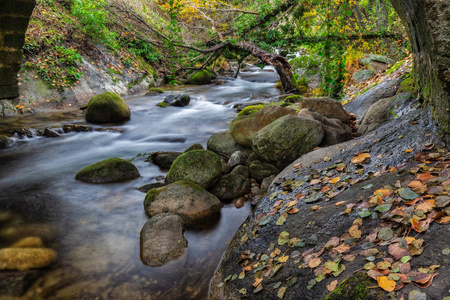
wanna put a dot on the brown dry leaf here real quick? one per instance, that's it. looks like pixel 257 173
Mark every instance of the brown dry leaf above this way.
pixel 292 203
pixel 334 180
pixel 315 207
pixel 355 232
pixel 332 285
pixel 397 252
pixel 444 220
pixel 424 177
pixel 326 189
pixel 386 284
pixel 257 281
pixel 423 280
pixel 418 186
pixel 293 211
pixel 426 206
pixel 315 262
pixel 382 192
pixel 258 289
pixel 300 196
pixel 279 202
pixel 349 257
pixel 342 248
pixel 334 241
pixel 359 159
pixel 357 221
pixel 393 169
pixel 420 226
pixel 315 181
pixel 340 203
pixel 398 211
pixel 374 274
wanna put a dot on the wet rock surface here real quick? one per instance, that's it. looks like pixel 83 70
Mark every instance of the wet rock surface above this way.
pixel 327 107
pixel 107 107
pixel 223 144
pixel 108 170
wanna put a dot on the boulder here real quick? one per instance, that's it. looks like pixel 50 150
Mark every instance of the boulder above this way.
pixel 362 75
pixel 377 63
pixel 4 141
pixel 164 159
pixel 50 132
pixel 241 171
pixel 237 158
pixel 28 242
pixel 76 128
pixel 183 198
pixel 384 110
pixel 109 170
pixel 260 170
pixel 223 144
pixel 231 186
pixel 26 258
pixel 286 139
pixel 162 239
pixel 244 128
pixel 177 100
pixel 335 131
pixel 327 107
pixel 202 167
pixel 147 187
pixel 106 108
pixel 194 147
pixel 199 78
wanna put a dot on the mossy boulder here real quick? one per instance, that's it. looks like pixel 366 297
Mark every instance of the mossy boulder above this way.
pixel 154 91
pixel 362 75
pixel 407 85
pixel 108 170
pixel 260 170
pixel 183 198
pixel 327 107
pixel 231 186
pixel 293 99
pixel 199 78
pixel 286 139
pixel 4 141
pixel 223 144
pixel 194 147
pixel 162 104
pixel 251 109
pixel 244 128
pixel 26 258
pixel 106 108
pixel 202 167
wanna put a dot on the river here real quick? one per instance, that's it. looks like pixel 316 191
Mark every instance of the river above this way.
pixel 96 228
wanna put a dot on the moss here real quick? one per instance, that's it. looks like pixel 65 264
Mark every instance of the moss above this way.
pixel 194 147
pixel 293 99
pixel 279 85
pixel 190 185
pixel 155 90
pixel 107 107
pixel 162 104
pixel 394 67
pixel 4 141
pixel 108 170
pixel 408 85
pixel 151 195
pixel 354 288
pixel 199 77
pixel 251 109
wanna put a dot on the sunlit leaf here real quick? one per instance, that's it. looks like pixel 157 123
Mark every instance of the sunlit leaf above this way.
pixel 386 284
pixel 360 158
pixel 283 238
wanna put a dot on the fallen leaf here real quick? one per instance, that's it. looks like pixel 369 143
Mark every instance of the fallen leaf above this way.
pixel 293 211
pixel 424 177
pixel 326 189
pixel 386 284
pixel 283 238
pixel 292 203
pixel 408 194
pixel 340 203
pixel 332 266
pixel 360 158
pixel 396 251
pixel 332 242
pixel 315 181
pixel 374 274
pixel 355 232
pixel 281 292
pixel 283 259
pixel 258 289
pixel 423 280
pixel 334 180
pixel 342 248
pixel 315 262
pixel 315 207
pixel 420 226
pixel 444 220
pixel 332 285
pixel 281 220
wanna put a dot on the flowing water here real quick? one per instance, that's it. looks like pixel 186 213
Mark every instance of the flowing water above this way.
pixel 96 228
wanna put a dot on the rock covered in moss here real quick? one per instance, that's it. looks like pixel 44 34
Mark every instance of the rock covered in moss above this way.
pixel 293 99
pixel 183 198
pixel 223 144
pixel 286 139
pixel 202 167
pixel 231 186
pixel 26 258
pixel 108 170
pixel 162 239
pixel 154 91
pixel 199 78
pixel 4 141
pixel 194 147
pixel 107 107
pixel 251 109
pixel 244 128
pixel 177 100
pixel 260 170
pixel 356 287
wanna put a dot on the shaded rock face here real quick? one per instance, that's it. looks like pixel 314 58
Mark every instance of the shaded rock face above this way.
pixel 26 258
pixel 108 170
pixel 327 107
pixel 107 107
pixel 183 198
pixel 163 159
pixel 244 128
pixel 223 144
pixel 202 167
pixel 260 170
pixel 162 239
pixel 231 186
pixel 14 283
pixel 335 131
pixel 383 111
pixel 4 141
pixel 362 75
pixel 361 104
pixel 177 100
pixel 286 139
pixel 377 63
pixel 199 78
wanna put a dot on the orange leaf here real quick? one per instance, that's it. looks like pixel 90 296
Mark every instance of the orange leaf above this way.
pixel 393 169
pixel 257 281
pixel 426 206
pixel 420 226
pixel 292 203
pixel 382 192
pixel 360 158
pixel 355 232
pixel 300 196
pixel 332 285
pixel 334 180
pixel 342 248
pixel 444 220
pixel 326 189
pixel 315 181
pixel 293 211
pixel 386 284
pixel 424 177
pixel 424 280
pixel 315 262
pixel 340 203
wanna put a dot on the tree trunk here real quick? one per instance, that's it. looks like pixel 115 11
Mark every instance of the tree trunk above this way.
pixel 428 27
pixel 279 62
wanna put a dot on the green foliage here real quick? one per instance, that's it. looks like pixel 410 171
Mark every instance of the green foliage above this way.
pixel 94 16
pixel 145 50
pixel 251 109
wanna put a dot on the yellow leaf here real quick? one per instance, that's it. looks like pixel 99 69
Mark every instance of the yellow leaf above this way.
pixel 334 180
pixel 283 259
pixel 385 283
pixel 360 158
pixel 355 232
pixel 340 203
pixel 292 203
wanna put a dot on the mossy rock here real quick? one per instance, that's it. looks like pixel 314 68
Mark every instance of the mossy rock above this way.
pixel 162 104
pixel 164 159
pixel 293 99
pixel 107 107
pixel 231 186
pixel 4 141
pixel 223 144
pixel 194 147
pixel 407 85
pixel 357 287
pixel 155 90
pixel 199 78
pixel 108 170
pixel 260 170
pixel 26 258
pixel 251 109
pixel 202 167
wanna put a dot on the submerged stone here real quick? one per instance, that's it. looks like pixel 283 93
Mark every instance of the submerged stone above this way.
pixel 26 258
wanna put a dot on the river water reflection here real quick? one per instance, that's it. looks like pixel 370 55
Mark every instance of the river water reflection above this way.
pixel 96 228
